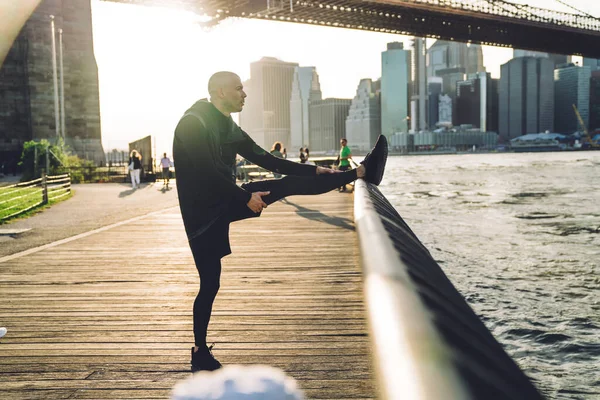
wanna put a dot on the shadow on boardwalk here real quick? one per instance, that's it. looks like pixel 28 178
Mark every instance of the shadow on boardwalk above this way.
pixel 316 215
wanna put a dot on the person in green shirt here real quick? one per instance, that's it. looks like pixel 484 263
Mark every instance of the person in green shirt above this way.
pixel 345 156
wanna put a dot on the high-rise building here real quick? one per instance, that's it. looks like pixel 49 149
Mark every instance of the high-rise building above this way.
pixel 528 53
pixel 363 124
pixel 477 102
pixel 526 99
pixel 450 77
pixel 437 57
pixel 557 59
pixel 445 54
pixel 266 117
pixel 328 123
pixel 593 63
pixel 445 110
pixel 434 90
pixel 595 101
pixel 571 87
pixel 474 60
pixel 395 75
pixel 418 114
pixel 305 88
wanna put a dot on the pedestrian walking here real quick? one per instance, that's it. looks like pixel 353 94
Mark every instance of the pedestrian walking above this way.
pixel 135 166
pixel 166 163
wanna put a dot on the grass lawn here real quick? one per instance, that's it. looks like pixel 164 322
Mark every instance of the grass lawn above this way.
pixel 14 200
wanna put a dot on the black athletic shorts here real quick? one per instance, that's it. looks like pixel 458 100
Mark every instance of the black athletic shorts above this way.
pixel 214 241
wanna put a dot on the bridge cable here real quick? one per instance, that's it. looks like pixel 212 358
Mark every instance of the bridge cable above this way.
pixel 576 9
pixel 503 4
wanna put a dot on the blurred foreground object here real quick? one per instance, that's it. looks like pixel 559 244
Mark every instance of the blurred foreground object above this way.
pixel 238 382
pixel 13 15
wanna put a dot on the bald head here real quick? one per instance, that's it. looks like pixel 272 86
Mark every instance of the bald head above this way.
pixel 226 92
pixel 221 80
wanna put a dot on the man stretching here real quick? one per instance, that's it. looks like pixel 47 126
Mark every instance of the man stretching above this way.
pixel 204 149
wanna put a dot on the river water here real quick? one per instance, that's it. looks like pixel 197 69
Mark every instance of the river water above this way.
pixel 518 234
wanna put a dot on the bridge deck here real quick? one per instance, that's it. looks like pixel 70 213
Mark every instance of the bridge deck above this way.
pixel 475 21
pixel 109 315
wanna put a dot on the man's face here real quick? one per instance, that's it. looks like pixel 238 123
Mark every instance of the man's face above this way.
pixel 343 142
pixel 233 95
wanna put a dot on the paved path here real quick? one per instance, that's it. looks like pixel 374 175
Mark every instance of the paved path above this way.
pixel 108 314
pixel 91 207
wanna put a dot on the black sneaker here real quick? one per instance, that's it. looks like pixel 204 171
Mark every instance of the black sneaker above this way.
pixel 203 360
pixel 374 162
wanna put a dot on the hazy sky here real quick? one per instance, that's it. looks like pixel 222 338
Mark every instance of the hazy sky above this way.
pixel 153 63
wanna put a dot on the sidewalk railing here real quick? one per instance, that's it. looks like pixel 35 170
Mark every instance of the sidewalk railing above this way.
pixel 24 196
pixel 427 341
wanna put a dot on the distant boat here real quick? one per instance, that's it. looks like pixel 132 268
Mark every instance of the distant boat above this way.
pixel 535 142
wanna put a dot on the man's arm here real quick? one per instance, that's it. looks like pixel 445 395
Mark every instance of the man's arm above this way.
pixel 195 142
pixel 259 156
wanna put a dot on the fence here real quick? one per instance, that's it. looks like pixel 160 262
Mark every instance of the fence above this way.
pixel 427 342
pixel 25 196
pixel 111 173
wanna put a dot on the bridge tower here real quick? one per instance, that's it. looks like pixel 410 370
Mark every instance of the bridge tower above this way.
pixel 27 91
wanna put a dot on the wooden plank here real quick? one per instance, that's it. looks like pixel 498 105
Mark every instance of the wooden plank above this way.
pixel 108 316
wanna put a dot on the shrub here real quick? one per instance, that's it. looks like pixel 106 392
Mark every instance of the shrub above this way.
pixel 32 166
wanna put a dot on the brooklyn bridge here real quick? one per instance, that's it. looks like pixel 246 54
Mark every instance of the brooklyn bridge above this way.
pixel 488 22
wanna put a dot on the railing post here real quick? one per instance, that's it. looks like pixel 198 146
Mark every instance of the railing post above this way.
pixel 44 188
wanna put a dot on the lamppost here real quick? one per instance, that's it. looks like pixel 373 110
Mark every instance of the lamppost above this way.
pixel 54 78
pixel 62 85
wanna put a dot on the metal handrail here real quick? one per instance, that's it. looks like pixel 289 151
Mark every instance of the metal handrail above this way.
pixel 427 341
pixel 411 360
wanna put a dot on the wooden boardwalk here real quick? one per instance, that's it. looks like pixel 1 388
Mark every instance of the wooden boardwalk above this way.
pixel 108 315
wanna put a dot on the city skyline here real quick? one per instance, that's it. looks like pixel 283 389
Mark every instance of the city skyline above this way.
pixel 149 75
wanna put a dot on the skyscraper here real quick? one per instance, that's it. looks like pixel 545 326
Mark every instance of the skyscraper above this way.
pixel 595 101
pixel 526 99
pixel 363 124
pixel 528 53
pixel 557 59
pixel 305 88
pixel 445 54
pixel 477 102
pixel 571 87
pixel 474 60
pixel 328 123
pixel 418 113
pixel 437 57
pixel 266 116
pixel 445 110
pixel 434 90
pixel 450 77
pixel 593 63
pixel 395 75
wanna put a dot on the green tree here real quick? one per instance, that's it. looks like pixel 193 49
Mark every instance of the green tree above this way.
pixel 33 158
pixel 60 159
